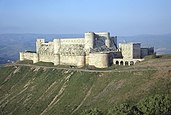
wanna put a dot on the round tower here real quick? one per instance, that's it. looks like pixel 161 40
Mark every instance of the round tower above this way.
pixel 89 41
pixel 21 56
pixel 57 45
pixel 81 61
pixel 99 60
pixel 56 59
pixel 35 58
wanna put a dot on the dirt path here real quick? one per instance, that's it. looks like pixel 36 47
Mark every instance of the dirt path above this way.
pixel 8 101
pixel 126 69
pixel 54 83
pixel 57 98
pixel 88 93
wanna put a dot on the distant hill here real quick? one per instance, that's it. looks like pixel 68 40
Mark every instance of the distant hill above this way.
pixel 12 44
pixel 161 43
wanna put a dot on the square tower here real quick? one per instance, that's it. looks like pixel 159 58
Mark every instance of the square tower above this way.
pixel 130 50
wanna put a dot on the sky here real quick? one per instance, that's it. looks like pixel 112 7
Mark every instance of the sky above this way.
pixel 119 17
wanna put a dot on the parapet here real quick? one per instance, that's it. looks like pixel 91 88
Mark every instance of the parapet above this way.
pixel 41 40
pixel 103 33
pixel 89 35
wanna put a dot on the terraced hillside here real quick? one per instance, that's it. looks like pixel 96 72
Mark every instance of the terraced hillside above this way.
pixel 34 90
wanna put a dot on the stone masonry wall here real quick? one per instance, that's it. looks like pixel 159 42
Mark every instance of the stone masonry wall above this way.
pixel 29 56
pixel 46 58
pixel 72 60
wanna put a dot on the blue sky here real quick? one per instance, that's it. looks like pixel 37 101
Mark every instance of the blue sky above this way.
pixel 120 17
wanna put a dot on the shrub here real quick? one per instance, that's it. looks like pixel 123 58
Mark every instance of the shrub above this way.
pixel 155 105
pixel 124 109
pixel 94 111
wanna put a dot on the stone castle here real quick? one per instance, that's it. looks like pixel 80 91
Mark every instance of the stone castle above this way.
pixel 95 49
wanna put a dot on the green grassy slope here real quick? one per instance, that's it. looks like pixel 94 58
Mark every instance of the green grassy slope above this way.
pixel 34 90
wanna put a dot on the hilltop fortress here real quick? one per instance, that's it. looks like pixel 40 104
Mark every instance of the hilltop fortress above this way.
pixel 95 49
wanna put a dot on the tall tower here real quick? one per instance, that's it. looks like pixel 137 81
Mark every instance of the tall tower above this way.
pixel 107 41
pixel 38 44
pixel 57 45
pixel 89 41
pixel 106 36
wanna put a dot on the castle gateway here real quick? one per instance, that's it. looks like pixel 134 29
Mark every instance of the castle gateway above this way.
pixel 95 49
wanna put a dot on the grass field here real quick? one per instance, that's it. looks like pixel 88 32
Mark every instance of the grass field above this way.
pixel 35 90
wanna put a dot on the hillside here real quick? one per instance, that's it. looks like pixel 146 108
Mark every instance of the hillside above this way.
pixel 33 90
